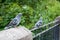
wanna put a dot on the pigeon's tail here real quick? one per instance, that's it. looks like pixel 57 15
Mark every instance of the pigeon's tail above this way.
pixel 7 27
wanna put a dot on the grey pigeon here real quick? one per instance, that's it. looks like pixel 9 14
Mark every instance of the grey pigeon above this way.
pixel 14 22
pixel 38 23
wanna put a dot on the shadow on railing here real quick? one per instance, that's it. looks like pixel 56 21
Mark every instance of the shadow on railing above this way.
pixel 48 31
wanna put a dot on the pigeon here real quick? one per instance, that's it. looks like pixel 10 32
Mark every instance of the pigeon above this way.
pixel 14 22
pixel 39 23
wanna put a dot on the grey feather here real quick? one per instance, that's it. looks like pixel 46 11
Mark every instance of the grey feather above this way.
pixel 14 22
pixel 38 23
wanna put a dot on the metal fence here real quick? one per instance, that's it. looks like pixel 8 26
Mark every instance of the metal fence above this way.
pixel 48 31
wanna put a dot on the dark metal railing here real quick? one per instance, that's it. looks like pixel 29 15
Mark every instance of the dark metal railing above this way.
pixel 48 31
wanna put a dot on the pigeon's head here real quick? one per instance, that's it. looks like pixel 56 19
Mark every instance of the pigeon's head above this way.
pixel 40 18
pixel 20 14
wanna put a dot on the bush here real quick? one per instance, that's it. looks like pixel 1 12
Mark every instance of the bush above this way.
pixel 31 10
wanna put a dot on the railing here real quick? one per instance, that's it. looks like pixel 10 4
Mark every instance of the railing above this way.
pixel 48 31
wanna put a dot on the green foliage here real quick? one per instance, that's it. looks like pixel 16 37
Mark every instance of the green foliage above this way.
pixel 31 10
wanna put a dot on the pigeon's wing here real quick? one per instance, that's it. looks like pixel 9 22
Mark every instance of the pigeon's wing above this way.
pixel 13 23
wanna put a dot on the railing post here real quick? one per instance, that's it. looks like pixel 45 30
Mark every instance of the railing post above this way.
pixel 20 33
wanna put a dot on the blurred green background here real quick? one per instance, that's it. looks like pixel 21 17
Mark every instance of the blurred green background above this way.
pixel 31 10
